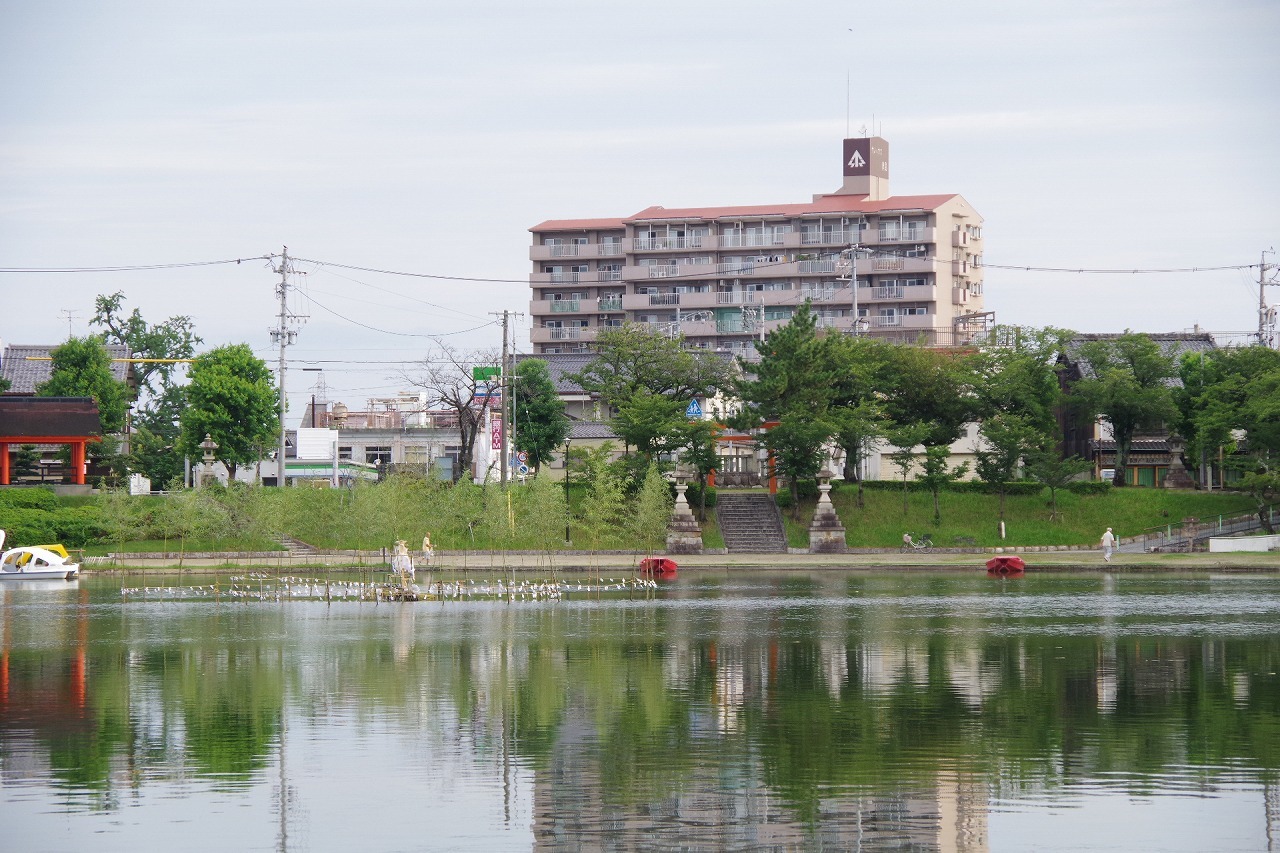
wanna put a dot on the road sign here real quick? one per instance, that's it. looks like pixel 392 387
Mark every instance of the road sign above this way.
pixel 483 374
pixel 522 456
pixel 693 410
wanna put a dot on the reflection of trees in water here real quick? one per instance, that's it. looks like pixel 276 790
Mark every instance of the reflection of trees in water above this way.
pixel 794 712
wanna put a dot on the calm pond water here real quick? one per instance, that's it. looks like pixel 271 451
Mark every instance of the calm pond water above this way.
pixel 764 711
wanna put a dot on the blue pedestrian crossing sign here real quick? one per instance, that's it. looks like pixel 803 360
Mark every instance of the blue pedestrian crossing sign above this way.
pixel 693 410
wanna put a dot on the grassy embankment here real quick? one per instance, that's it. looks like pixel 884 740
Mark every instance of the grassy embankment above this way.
pixel 532 519
pixel 970 516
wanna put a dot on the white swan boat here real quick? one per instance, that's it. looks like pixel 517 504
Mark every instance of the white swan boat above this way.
pixel 36 562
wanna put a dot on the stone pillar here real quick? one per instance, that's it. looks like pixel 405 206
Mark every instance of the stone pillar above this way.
pixel 684 534
pixel 826 533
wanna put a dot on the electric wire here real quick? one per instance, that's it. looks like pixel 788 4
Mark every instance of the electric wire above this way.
pixel 130 268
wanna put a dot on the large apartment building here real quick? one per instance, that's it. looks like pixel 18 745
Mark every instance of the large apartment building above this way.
pixel 724 276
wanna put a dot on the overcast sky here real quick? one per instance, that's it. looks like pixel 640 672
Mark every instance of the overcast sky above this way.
pixel 427 137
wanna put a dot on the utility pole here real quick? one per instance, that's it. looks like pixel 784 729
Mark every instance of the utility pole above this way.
pixel 284 336
pixel 1264 316
pixel 508 386
pixel 852 252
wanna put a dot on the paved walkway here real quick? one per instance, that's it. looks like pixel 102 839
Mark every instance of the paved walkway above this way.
pixel 587 561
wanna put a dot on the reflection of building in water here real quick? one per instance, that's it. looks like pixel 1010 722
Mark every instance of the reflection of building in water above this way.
pixel 575 808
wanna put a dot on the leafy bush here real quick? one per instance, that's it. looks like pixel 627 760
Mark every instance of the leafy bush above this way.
pixel 968 487
pixel 29 499
pixel 694 493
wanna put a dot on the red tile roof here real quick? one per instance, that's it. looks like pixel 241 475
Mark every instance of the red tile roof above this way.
pixel 578 225
pixel 824 204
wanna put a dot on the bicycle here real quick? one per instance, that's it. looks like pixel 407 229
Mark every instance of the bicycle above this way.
pixel 911 545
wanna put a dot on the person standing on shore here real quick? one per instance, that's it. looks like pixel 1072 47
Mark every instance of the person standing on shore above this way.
pixel 1108 544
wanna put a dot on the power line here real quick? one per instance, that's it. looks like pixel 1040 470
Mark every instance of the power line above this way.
pixel 481 279
pixel 312 299
pixel 985 265
pixel 133 268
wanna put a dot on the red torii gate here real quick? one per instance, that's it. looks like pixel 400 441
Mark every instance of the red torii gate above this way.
pixel 49 420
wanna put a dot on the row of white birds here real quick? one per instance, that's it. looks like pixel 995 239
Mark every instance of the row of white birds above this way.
pixel 270 588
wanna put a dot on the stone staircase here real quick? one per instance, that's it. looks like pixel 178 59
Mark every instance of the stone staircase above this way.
pixel 750 523
pixel 296 547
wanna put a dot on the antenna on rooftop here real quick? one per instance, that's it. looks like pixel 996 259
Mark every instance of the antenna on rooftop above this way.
pixel 69 315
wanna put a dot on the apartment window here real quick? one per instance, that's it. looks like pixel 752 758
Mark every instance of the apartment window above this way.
pixel 344 452
pixel 914 310
pixel 377 455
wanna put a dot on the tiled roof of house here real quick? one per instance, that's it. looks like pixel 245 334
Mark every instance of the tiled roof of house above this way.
pixel 559 365
pixel 24 375
pixel 590 430
pixel 1173 344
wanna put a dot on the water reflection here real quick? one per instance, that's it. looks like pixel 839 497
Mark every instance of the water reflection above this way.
pixel 823 711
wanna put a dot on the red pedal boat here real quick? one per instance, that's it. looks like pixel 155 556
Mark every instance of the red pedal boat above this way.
pixel 659 567
pixel 1006 566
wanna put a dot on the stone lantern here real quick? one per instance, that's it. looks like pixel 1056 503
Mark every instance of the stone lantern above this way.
pixel 826 533
pixel 209 446
pixel 684 534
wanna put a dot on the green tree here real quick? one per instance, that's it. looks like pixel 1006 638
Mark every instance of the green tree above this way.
pixel 699 452
pixel 154 442
pixel 857 405
pixel 650 422
pixel 1127 381
pixel 632 357
pixel 1018 374
pixel 25 461
pixel 1229 395
pixel 169 342
pixel 1046 465
pixel 1007 439
pixel 903 457
pixel 792 388
pixel 232 399
pixel 153 445
pixel 82 368
pixel 647 523
pixel 605 510
pixel 540 422
pixel 931 387
pixel 936 472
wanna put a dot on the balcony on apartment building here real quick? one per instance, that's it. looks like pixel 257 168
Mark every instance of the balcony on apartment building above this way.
pixel 660 271
pixel 899 292
pixel 667 243
pixel 902 321
pixel 575 250
pixel 918 234
pixel 561 334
